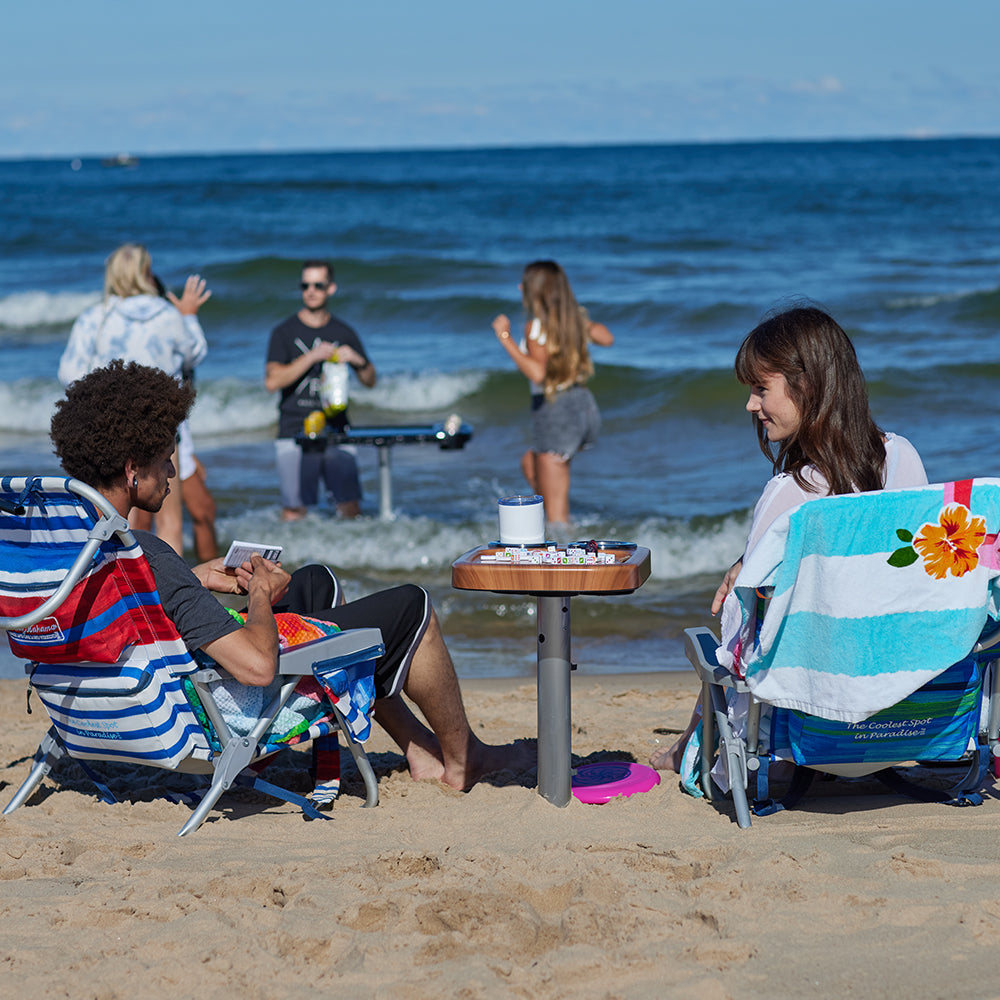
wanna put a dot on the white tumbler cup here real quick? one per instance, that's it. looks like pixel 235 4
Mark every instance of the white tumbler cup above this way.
pixel 522 520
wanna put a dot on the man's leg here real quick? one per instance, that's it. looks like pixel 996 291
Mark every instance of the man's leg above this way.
pixel 451 752
pixel 288 456
pixel 312 590
pixel 340 472
pixel 417 661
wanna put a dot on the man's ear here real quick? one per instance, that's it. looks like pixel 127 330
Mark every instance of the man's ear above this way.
pixel 131 471
pixel 333 288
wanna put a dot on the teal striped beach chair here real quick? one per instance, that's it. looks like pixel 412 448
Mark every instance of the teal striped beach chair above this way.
pixel 79 604
pixel 867 639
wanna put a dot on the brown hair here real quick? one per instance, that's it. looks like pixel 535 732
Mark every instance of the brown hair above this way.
pixel 547 297
pixel 836 432
pixel 117 413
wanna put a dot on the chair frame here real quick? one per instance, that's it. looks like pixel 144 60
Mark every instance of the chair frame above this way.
pixel 744 756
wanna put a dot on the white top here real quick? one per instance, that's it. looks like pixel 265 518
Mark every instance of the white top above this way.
pixel 537 334
pixel 141 328
pixel 903 468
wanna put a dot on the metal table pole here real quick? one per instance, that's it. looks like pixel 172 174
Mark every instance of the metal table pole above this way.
pixel 384 482
pixel 554 666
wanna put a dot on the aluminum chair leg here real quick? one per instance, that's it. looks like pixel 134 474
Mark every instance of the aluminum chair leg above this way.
pixel 707 740
pixel 362 762
pixel 239 752
pixel 48 752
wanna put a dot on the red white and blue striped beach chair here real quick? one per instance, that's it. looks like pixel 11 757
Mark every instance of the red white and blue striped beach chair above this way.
pixel 78 601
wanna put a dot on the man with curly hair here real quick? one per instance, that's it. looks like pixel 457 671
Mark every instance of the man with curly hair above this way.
pixel 115 430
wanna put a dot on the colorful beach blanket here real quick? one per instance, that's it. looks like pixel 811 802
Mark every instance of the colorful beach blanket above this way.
pixel 350 686
pixel 871 596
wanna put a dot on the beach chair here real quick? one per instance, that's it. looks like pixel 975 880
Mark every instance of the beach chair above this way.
pixel 863 638
pixel 78 601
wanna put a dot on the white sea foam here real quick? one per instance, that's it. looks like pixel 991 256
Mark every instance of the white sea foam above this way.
pixel 226 405
pixel 26 406
pixel 430 391
pixel 406 544
pixel 679 551
pixel 929 301
pixel 419 544
pixel 23 310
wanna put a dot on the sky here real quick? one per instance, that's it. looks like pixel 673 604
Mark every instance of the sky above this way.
pixel 97 77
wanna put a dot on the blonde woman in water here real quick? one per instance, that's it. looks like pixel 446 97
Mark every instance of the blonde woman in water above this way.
pixel 554 356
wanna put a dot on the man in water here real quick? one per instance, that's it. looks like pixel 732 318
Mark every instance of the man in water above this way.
pixel 115 430
pixel 295 357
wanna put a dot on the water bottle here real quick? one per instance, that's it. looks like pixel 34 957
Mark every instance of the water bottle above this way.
pixel 333 386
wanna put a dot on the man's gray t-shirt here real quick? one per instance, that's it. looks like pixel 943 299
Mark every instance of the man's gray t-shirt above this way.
pixel 197 615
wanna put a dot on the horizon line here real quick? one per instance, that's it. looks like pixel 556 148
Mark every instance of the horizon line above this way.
pixel 492 148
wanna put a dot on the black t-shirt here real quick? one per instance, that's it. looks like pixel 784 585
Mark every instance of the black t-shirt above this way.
pixel 196 613
pixel 291 339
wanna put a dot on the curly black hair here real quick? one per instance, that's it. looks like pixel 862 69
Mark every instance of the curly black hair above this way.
pixel 117 413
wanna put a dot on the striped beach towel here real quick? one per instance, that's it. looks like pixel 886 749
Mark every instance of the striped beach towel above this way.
pixel 872 595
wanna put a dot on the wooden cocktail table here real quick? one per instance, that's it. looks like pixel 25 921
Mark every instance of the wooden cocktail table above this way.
pixel 553 586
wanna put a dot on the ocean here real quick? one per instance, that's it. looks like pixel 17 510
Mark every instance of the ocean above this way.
pixel 679 249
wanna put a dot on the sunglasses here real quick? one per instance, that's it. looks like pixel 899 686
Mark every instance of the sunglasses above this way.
pixel 321 286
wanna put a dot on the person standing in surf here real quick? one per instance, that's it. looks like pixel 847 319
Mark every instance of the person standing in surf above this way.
pixel 134 322
pixel 295 356
pixel 555 358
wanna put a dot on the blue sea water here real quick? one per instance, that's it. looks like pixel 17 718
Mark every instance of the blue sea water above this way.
pixel 678 249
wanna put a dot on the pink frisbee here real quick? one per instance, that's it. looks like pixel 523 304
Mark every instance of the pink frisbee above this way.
pixel 595 784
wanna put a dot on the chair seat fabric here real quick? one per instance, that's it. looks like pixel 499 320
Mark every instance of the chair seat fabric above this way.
pixel 936 722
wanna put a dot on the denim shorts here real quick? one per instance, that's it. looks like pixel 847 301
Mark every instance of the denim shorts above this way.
pixel 566 424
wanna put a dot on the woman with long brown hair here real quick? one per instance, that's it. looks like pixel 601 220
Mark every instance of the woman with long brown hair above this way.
pixel 809 405
pixel 555 358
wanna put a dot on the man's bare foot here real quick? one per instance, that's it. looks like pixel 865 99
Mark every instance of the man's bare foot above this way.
pixel 293 513
pixel 485 758
pixel 423 764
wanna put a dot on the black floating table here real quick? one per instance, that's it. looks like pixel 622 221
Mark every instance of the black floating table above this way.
pixel 446 435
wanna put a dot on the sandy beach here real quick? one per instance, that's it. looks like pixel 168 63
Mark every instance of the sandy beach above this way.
pixel 494 893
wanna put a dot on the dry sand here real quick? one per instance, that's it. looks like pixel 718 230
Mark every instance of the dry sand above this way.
pixel 495 893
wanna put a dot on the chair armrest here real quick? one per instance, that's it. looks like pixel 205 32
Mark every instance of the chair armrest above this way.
pixel 299 660
pixel 700 644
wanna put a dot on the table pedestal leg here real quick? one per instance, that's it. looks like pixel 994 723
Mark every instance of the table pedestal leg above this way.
pixel 384 482
pixel 554 738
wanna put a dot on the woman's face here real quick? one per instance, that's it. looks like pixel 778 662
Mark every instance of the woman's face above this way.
pixel 770 403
